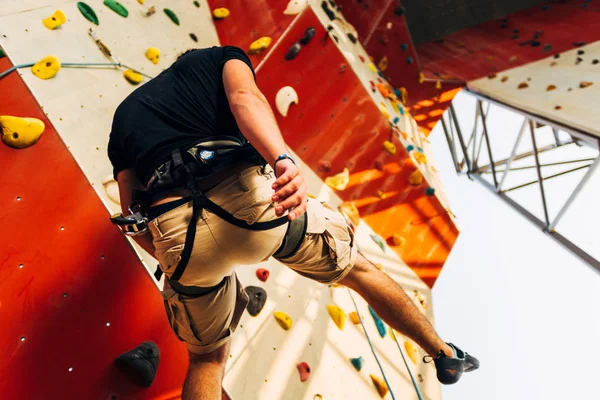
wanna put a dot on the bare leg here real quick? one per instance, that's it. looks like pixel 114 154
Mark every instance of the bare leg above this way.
pixel 393 305
pixel 205 375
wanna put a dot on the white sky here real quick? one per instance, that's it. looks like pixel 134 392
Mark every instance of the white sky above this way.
pixel 512 296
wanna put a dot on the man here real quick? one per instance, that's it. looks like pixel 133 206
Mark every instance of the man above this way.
pixel 207 95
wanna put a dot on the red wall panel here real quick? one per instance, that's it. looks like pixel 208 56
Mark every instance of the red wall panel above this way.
pixel 78 274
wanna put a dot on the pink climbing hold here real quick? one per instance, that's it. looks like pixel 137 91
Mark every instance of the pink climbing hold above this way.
pixel 304 371
pixel 262 274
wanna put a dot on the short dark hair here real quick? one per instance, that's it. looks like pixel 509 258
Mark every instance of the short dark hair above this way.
pixel 186 52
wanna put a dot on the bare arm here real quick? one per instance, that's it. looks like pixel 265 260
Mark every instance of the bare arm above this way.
pixel 257 122
pixel 127 182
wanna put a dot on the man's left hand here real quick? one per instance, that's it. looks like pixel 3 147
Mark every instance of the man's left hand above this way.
pixel 290 190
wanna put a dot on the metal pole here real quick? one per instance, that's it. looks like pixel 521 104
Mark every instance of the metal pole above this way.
pixel 546 178
pixel 487 142
pixel 539 172
pixel 580 186
pixel 512 154
pixel 521 156
pixel 556 138
pixel 460 137
pixel 451 145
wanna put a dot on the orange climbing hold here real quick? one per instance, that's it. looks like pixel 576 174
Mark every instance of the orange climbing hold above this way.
pixel 420 157
pixel 383 89
pixel 337 315
pixel 284 320
pixel 585 84
pixel 354 318
pixel 303 370
pixel 416 178
pixel 396 240
pixel 383 64
pixel 550 88
pixel 380 385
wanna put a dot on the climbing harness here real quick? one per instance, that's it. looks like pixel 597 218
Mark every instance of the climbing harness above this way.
pixel 193 170
pixel 417 390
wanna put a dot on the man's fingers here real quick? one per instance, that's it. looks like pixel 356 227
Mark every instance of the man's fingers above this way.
pixel 294 200
pixel 299 210
pixel 289 189
pixel 284 179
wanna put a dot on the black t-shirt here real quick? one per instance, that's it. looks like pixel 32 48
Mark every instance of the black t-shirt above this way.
pixel 183 105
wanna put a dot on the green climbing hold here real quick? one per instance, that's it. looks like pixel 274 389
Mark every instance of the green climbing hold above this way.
pixel 378 322
pixel 196 4
pixel 172 16
pixel 117 7
pixel 379 241
pixel 88 12
pixel 357 362
pixel 2 54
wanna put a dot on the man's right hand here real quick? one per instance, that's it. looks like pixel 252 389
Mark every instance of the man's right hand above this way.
pixel 290 190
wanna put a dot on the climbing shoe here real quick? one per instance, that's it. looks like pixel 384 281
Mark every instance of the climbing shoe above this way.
pixel 141 363
pixel 449 370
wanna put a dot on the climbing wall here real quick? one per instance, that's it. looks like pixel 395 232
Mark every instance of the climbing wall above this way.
pixel 564 88
pixel 78 296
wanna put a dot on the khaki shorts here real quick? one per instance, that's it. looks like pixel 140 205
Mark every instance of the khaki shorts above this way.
pixel 205 323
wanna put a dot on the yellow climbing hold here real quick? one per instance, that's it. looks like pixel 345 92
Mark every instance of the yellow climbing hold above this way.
pixel 411 351
pixel 416 178
pixel 141 1
pixel 380 385
pixel 46 68
pixel 20 132
pixel 420 157
pixel 421 77
pixel 221 13
pixel 379 267
pixel 259 45
pixel 390 147
pixel 384 111
pixel 337 315
pixel 284 320
pixel 349 210
pixel 354 318
pixel 153 54
pixel 133 77
pixel 372 67
pixel 404 95
pixel 55 20
pixel 339 181
pixel 438 84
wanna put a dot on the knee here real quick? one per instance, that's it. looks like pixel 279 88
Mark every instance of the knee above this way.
pixel 217 357
pixel 361 269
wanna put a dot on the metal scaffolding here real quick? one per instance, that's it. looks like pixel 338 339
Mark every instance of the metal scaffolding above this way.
pixel 466 155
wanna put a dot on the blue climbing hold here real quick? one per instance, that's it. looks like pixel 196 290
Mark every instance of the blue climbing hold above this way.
pixel 404 46
pixel 409 60
pixel 419 149
pixel 546 7
pixel 410 147
pixel 400 109
pixel 430 191
pixel 357 362
pixel 398 93
pixel 378 323
pixel 380 74
pixel 396 120
pixel 379 242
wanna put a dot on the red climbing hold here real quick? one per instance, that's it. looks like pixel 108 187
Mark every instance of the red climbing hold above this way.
pixel 304 371
pixel 262 274
pixel 324 166
pixel 362 59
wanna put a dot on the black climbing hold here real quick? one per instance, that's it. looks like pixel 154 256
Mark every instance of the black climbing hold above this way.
pixel 194 37
pixel 503 25
pixel 293 51
pixel 514 37
pixel 578 44
pixel 257 297
pixel 308 35
pixel 399 11
pixel 329 13
pixel 140 364
pixel 404 47
pixel 352 38
pixel 594 62
pixel 196 4
pixel 579 60
pixel 547 47
pixel 581 52
pixel 516 30
pixel 535 43
pixel 557 56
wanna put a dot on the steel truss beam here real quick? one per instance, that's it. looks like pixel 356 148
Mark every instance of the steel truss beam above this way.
pixel 466 160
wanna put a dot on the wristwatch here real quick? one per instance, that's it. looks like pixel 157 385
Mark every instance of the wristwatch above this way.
pixel 282 157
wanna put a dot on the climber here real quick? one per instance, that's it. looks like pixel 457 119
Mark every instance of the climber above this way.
pixel 199 148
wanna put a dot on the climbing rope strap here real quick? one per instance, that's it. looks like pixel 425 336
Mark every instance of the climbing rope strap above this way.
pixel 417 390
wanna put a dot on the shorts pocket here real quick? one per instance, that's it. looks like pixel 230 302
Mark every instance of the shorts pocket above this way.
pixel 315 215
pixel 256 183
pixel 179 318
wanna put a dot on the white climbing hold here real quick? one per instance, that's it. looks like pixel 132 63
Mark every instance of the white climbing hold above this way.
pixel 349 56
pixel 295 7
pixel 112 189
pixel 284 98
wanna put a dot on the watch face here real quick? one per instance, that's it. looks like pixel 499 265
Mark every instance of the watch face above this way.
pixel 207 155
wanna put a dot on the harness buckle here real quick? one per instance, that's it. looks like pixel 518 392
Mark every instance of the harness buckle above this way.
pixel 131 225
